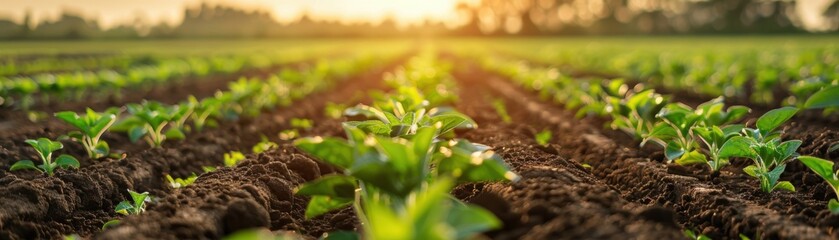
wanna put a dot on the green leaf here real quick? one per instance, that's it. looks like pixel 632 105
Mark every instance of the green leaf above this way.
pixel 136 133
pixel 735 113
pixel 662 132
pixel 383 223
pixel 452 120
pixel 110 224
pixel 339 186
pixel 174 133
pixel 319 205
pixel 673 151
pixel 124 208
pixel 73 119
pixel 371 126
pixel 825 98
pixel 423 140
pixel 331 150
pixel 468 220
pixel 775 174
pixel 784 185
pixel 692 157
pixel 544 137
pixel 102 149
pixel 738 147
pixel 833 205
pixel 138 199
pixel 789 148
pixel 751 170
pixel 66 161
pixel 774 118
pixel 24 164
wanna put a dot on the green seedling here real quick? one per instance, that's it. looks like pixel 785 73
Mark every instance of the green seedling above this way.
pixel 393 166
pixel 289 134
pixel 207 169
pixel 334 111
pixel 45 148
pixel 636 113
pixel 433 214
pixel 764 147
pixel 263 145
pixel 825 98
pixel 233 158
pixel 181 182
pixel 827 170
pixel 135 206
pixel 149 120
pixel 90 128
pixel 676 129
pixel 690 234
pixel 301 123
pixel 501 109
pixel 712 139
pixel 544 137
pixel 203 111
pixel 395 120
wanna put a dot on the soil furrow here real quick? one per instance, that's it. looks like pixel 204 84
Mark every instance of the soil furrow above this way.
pixel 256 193
pixel 556 198
pixel 13 147
pixel 47 207
pixel 712 208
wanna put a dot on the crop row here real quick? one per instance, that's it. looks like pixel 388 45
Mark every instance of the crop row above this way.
pixel 707 134
pixel 398 167
pixel 248 100
pixel 155 122
pixel 783 76
pixel 13 67
pixel 24 91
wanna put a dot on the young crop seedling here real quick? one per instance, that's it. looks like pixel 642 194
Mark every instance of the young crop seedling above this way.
pixel 334 110
pixel 381 174
pixel 135 206
pixel 203 111
pixel 45 148
pixel 501 109
pixel 825 98
pixel 400 117
pixel 544 137
pixel 690 234
pixel 149 119
pixel 713 138
pixel 636 113
pixel 181 182
pixel 264 145
pixel 90 128
pixel 765 148
pixel 677 128
pixel 233 158
pixel 301 123
pixel 827 170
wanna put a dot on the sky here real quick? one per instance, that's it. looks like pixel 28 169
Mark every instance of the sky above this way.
pixel 115 12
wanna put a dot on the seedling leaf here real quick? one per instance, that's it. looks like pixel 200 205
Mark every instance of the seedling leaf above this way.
pixel 825 98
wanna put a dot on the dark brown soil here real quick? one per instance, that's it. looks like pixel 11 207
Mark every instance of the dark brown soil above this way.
pixel 623 192
pixel 46 207
pixel 723 208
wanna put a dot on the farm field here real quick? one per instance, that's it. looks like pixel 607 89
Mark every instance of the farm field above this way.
pixel 450 138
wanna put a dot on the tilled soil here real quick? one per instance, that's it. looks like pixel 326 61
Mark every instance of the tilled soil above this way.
pixel 80 201
pixel 721 207
pixel 588 183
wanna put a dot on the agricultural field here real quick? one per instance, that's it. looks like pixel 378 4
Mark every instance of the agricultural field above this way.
pixel 458 138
